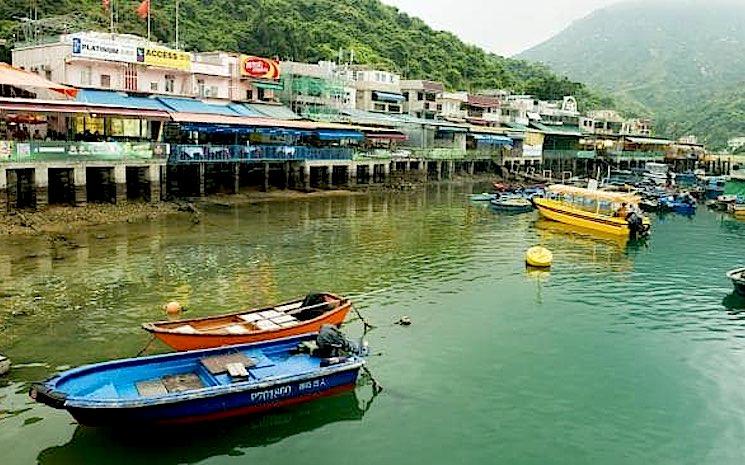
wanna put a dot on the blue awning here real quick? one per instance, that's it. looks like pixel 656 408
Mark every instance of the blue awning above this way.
pixel 119 99
pixel 388 96
pixel 451 129
pixel 337 135
pixel 208 128
pixel 187 105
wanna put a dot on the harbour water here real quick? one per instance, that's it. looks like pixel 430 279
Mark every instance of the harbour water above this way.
pixel 621 354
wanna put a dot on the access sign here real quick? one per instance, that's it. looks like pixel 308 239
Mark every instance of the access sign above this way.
pixel 164 58
pixel 261 68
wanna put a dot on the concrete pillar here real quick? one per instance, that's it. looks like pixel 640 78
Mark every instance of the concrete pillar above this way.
pixel 329 174
pixel 41 185
pixel 3 191
pixel 287 170
pixel 386 172
pixel 202 186
pixel 120 179
pixel 438 170
pixel 265 181
pixel 236 187
pixel 79 181
pixel 306 176
pixel 352 175
pixel 153 177
pixel 471 167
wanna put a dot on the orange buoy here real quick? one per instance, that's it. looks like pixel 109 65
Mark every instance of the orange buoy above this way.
pixel 173 308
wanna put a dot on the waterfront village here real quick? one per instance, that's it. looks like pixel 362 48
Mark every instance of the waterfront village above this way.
pixel 100 117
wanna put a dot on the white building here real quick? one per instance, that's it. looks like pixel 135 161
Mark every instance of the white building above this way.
pixel 735 144
pixel 377 91
pixel 123 62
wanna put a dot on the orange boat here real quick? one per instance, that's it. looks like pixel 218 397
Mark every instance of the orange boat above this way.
pixel 293 318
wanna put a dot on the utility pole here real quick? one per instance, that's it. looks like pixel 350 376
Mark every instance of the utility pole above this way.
pixel 177 18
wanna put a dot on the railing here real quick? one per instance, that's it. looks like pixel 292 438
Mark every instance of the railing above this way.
pixel 233 153
pixel 637 155
pixel 568 154
pixel 46 151
pixel 452 154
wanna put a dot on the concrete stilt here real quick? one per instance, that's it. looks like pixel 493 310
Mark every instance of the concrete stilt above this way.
pixel 153 178
pixel 352 175
pixel 236 185
pixel 306 176
pixel 120 179
pixel 202 186
pixel 265 180
pixel 79 181
pixel 41 184
pixel 386 172
pixel 3 190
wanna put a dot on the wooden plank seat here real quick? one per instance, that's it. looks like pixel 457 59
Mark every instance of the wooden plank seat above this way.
pixel 218 364
pixel 169 383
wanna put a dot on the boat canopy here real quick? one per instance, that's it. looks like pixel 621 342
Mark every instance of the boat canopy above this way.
pixel 608 196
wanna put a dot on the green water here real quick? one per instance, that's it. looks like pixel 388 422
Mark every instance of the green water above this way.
pixel 622 354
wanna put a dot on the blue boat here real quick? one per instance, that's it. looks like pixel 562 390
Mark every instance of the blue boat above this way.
pixel 512 204
pixel 484 197
pixel 683 204
pixel 202 385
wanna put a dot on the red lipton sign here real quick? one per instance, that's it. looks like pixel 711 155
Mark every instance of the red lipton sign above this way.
pixel 257 67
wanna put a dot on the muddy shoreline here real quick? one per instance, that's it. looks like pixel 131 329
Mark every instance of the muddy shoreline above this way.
pixel 61 220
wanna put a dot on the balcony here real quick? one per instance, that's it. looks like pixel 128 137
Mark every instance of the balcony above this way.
pixel 455 154
pixel 54 151
pixel 569 154
pixel 184 154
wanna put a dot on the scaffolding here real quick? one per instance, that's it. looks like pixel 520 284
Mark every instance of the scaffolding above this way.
pixel 313 97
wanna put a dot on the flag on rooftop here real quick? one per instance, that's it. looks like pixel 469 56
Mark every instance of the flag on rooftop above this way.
pixel 144 9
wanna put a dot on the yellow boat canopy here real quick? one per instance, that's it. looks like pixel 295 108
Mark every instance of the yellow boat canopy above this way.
pixel 608 196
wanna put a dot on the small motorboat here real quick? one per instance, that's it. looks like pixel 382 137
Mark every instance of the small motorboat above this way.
pixel 203 385
pixel 4 365
pixel 299 316
pixel 514 204
pixel 683 204
pixel 483 197
pixel 738 280
pixel 539 257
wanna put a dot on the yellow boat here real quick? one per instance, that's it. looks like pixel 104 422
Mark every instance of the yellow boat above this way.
pixel 593 209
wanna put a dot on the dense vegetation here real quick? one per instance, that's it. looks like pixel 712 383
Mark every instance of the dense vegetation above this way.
pixel 681 61
pixel 311 30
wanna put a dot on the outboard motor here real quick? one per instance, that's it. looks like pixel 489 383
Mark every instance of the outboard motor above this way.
pixel 332 343
pixel 636 225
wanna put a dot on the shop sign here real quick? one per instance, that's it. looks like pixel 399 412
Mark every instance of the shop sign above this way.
pixel 164 58
pixel 260 68
pixel 103 49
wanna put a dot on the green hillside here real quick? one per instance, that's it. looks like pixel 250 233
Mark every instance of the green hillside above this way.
pixel 311 30
pixel 674 58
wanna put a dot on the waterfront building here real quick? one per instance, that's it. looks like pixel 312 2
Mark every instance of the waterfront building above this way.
pixel 316 90
pixel 735 144
pixel 129 63
pixel 483 110
pixel 376 90
pixel 422 98
pixel 452 106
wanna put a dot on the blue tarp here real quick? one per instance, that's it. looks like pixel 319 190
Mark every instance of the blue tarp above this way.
pixel 389 96
pixel 492 138
pixel 119 99
pixel 337 135
pixel 208 128
pixel 186 105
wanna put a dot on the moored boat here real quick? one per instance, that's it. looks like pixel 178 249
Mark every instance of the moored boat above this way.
pixel 299 316
pixel 514 204
pixel 737 276
pixel 684 204
pixel 483 197
pixel 607 212
pixel 203 385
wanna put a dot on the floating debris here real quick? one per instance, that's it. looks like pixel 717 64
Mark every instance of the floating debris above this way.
pixel 404 321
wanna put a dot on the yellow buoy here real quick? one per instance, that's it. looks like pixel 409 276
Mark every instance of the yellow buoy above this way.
pixel 539 257
pixel 173 308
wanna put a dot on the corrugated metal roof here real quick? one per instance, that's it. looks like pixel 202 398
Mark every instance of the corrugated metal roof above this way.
pixel 187 105
pixel 119 99
pixel 272 111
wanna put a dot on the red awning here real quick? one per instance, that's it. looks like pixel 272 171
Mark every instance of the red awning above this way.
pixel 14 77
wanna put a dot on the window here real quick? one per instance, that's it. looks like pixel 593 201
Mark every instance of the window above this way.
pixel 200 87
pixel 379 107
pixel 170 83
pixel 420 96
pixel 261 93
pixel 394 108
pixel 213 91
pixel 406 95
pixel 153 87
pixel 48 74
pixel 249 94
pixel 85 76
pixel 105 81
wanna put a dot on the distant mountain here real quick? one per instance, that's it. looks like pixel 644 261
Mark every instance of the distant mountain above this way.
pixel 307 30
pixel 682 60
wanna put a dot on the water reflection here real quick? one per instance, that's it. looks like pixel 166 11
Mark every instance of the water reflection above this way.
pixel 198 443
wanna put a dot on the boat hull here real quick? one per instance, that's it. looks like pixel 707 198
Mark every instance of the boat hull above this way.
pixel 556 211
pixel 207 341
pixel 738 280
pixel 219 407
